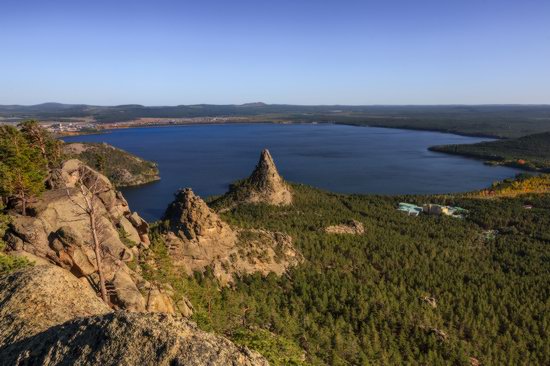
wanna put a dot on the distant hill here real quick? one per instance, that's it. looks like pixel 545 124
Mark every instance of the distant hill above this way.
pixel 530 152
pixel 476 120
pixel 255 104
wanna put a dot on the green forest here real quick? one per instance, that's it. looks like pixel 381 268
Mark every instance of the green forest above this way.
pixel 530 152
pixel 411 290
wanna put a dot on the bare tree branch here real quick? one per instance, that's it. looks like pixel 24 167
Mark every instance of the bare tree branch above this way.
pixel 97 229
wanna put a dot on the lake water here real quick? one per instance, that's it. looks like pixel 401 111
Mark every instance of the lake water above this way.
pixel 338 158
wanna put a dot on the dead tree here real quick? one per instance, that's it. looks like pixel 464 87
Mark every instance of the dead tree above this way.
pixel 89 187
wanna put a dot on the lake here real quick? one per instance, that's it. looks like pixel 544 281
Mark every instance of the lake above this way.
pixel 338 158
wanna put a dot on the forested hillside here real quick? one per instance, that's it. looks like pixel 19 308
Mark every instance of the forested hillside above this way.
pixel 530 152
pixel 122 168
pixel 410 290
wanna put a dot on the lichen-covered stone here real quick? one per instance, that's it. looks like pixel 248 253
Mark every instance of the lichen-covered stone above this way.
pixel 36 298
pixel 128 339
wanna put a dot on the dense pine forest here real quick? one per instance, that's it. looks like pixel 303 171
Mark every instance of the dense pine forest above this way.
pixel 530 152
pixel 411 290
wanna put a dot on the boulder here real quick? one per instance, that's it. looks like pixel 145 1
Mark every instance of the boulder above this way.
pixel 124 292
pixel 352 227
pixel 430 301
pixel 140 224
pixel 74 171
pixel 128 339
pixel 190 218
pixel 159 302
pixel 36 298
pixel 129 230
pixel 184 307
pixel 68 246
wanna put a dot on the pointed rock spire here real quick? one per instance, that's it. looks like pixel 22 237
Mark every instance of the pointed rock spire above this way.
pixel 265 185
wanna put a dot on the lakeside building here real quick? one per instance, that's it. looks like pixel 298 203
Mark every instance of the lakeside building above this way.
pixel 432 209
pixel 410 209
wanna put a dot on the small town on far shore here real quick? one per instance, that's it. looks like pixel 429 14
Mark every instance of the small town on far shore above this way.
pixel 85 125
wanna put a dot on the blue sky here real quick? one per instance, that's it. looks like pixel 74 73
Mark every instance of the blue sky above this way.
pixel 298 52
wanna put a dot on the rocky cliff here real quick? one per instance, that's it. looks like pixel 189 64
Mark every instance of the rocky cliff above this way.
pixel 198 238
pixel 58 231
pixel 265 185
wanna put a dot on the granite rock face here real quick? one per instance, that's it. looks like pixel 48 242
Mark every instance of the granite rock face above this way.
pixel 191 219
pixel 36 298
pixel 49 317
pixel 59 232
pixel 123 338
pixel 265 185
pixel 198 238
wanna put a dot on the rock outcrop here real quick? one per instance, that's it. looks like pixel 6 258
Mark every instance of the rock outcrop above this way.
pixel 198 238
pixel 36 298
pixel 191 219
pixel 264 185
pixel 49 317
pixel 123 338
pixel 59 231
pixel 353 227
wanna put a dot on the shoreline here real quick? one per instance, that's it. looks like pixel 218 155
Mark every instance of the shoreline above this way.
pixel 490 161
pixel 125 125
pixel 430 148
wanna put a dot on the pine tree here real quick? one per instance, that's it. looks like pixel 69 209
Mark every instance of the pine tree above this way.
pixel 50 148
pixel 22 168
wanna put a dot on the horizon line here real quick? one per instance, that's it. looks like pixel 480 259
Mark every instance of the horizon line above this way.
pixel 278 104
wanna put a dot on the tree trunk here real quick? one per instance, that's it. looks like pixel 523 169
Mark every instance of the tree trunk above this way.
pixel 23 205
pixel 97 250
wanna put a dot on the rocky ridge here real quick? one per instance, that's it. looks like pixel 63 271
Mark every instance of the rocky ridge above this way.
pixel 58 232
pixel 49 317
pixel 51 313
pixel 198 238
